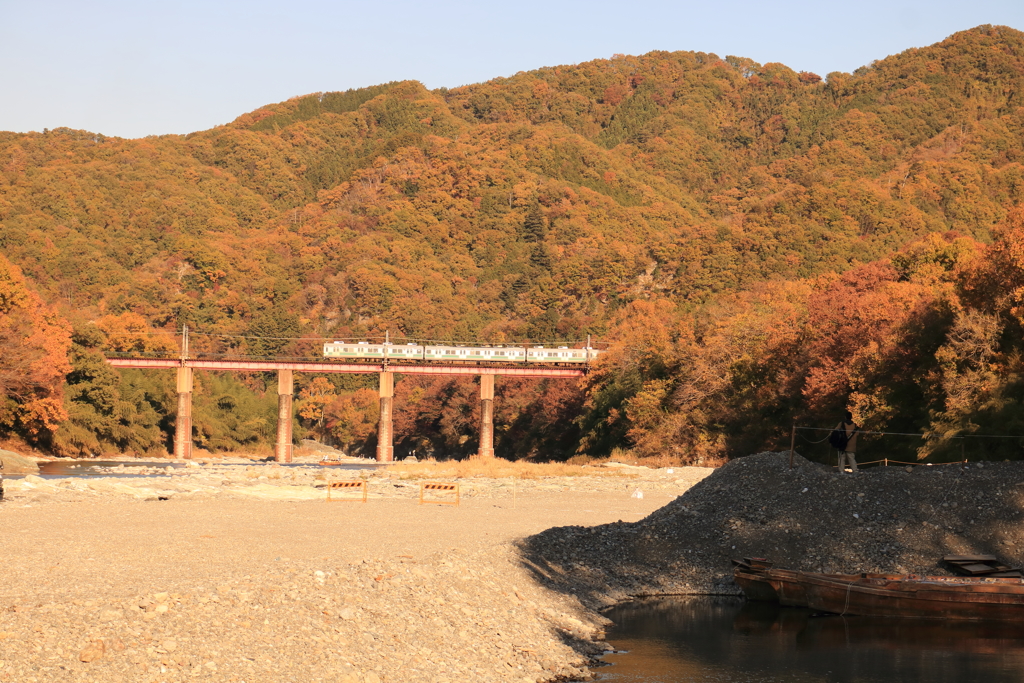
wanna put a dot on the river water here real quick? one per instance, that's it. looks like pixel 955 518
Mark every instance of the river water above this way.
pixel 727 640
pixel 59 469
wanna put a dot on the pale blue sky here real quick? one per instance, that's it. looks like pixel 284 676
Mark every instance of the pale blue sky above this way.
pixel 135 67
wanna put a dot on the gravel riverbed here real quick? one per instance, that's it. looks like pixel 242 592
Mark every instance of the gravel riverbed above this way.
pixel 229 573
pixel 244 573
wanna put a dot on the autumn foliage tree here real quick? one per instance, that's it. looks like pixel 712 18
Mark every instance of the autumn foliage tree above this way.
pixel 34 361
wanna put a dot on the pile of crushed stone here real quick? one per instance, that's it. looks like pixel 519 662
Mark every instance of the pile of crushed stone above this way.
pixel 883 519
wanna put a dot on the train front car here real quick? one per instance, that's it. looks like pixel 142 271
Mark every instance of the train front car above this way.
pixel 562 355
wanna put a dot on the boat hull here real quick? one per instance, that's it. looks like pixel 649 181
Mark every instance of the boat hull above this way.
pixel 927 598
pixel 756 586
pixel 887 595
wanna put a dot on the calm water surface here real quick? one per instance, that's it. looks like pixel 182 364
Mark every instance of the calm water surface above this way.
pixel 59 469
pixel 724 640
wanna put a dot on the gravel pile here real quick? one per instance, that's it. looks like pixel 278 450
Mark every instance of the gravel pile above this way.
pixel 884 519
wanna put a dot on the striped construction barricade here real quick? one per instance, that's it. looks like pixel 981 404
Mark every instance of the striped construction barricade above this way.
pixel 434 489
pixel 346 487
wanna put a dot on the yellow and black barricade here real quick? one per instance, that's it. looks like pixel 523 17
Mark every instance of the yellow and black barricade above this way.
pixel 346 486
pixel 439 489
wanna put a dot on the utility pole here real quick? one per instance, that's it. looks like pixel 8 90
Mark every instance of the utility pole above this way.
pixel 184 343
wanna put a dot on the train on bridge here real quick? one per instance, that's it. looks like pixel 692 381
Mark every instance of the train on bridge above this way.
pixel 561 355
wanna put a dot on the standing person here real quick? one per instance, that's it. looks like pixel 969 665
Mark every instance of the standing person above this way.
pixel 848 453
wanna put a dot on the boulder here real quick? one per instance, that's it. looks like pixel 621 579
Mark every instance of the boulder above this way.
pixel 18 464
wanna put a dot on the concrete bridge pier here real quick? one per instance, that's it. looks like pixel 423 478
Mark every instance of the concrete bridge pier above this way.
pixel 285 391
pixel 385 432
pixel 486 416
pixel 183 422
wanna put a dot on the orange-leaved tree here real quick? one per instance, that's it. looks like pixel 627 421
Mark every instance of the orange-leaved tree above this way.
pixel 352 418
pixel 34 362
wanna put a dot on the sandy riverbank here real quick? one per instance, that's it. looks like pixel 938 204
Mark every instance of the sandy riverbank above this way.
pixel 246 574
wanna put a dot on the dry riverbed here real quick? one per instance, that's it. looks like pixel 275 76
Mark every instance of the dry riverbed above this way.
pixel 236 573
pixel 244 573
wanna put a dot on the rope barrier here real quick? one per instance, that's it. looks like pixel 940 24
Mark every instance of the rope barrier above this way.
pixel 887 462
pixel 814 442
pixel 919 464
pixel 930 437
pixel 922 436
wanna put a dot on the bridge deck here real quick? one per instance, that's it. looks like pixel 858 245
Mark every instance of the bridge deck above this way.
pixel 336 368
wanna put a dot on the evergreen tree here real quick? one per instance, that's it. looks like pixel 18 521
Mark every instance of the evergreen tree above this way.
pixel 271 331
pixel 110 411
pixel 540 257
pixel 534 227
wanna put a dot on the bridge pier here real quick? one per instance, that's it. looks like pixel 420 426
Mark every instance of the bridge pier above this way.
pixel 486 416
pixel 285 390
pixel 183 421
pixel 385 433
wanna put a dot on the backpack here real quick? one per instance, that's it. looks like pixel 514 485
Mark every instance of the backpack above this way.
pixel 839 439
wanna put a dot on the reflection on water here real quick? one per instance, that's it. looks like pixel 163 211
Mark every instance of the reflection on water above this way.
pixel 59 469
pixel 725 640
pixel 96 468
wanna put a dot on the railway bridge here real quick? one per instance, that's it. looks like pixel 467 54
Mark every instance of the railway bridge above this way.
pixel 286 390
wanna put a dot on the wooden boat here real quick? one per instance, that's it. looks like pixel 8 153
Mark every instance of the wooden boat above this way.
pixel 885 595
pixel 750 575
pixel 331 463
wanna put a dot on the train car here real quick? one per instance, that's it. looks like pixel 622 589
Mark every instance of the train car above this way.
pixel 562 354
pixel 478 354
pixel 365 350
pixel 405 351
pixel 355 350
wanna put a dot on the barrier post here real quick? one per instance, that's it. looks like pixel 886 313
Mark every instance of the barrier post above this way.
pixel 792 445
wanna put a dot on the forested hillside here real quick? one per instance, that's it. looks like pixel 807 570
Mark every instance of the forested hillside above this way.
pixel 756 245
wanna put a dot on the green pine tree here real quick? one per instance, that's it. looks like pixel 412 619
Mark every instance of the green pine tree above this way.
pixel 534 227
